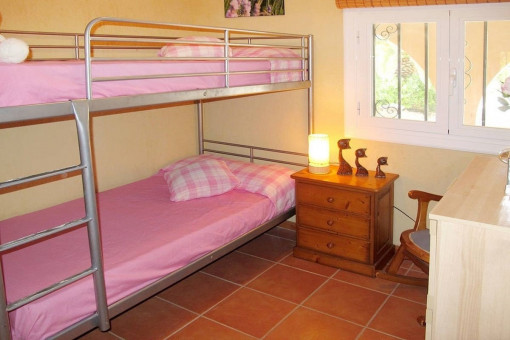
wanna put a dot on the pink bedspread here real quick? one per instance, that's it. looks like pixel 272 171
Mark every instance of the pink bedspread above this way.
pixel 144 235
pixel 38 82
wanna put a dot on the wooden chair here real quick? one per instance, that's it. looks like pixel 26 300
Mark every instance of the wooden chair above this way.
pixel 414 244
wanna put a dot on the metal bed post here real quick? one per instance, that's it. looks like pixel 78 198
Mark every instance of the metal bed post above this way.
pixel 227 61
pixel 310 89
pixel 200 114
pixel 82 115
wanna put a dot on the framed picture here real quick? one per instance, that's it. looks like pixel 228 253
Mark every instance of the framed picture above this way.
pixel 253 8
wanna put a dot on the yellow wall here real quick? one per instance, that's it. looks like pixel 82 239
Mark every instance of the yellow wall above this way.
pixel 134 145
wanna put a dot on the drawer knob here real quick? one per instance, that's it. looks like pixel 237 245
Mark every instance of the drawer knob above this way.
pixel 330 245
pixel 330 222
pixel 330 199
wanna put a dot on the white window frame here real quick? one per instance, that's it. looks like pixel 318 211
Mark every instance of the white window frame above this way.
pixel 448 131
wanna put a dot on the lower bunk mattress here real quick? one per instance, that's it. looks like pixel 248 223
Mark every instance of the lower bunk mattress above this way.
pixel 145 236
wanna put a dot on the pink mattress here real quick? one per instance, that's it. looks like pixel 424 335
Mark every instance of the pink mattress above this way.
pixel 37 82
pixel 145 236
pixel 55 81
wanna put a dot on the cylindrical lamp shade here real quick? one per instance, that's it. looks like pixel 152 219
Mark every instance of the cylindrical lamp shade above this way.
pixel 318 153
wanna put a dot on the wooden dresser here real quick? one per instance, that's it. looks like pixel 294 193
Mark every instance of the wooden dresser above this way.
pixel 345 221
pixel 469 277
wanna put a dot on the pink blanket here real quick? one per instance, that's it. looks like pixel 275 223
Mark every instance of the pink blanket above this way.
pixel 144 235
pixel 37 82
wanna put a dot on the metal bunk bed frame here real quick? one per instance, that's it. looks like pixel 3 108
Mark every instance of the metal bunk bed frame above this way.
pixel 81 110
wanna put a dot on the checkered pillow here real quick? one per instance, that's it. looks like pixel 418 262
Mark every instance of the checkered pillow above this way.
pixel 194 50
pixel 208 177
pixel 270 180
pixel 187 161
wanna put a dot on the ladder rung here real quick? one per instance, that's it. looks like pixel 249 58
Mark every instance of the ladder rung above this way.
pixel 50 289
pixel 32 178
pixel 34 237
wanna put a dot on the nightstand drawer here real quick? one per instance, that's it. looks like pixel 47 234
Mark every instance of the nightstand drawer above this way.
pixel 328 243
pixel 332 198
pixel 334 221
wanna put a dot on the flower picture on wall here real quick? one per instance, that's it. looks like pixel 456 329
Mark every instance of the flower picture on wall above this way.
pixel 253 8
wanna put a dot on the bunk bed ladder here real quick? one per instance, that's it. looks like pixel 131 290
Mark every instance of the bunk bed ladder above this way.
pixel 82 117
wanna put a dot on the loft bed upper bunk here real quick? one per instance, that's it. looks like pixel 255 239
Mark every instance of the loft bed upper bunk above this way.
pixel 172 64
pixel 182 63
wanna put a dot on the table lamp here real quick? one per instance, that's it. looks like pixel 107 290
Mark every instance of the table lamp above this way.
pixel 318 153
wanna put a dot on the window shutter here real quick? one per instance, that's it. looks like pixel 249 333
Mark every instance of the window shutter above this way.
pixel 396 3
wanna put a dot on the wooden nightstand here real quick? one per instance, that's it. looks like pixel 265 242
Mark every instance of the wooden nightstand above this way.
pixel 345 221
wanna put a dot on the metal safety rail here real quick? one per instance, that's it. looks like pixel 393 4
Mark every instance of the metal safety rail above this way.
pixel 81 114
pixel 229 38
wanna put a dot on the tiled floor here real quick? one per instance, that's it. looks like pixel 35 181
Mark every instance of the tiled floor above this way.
pixel 261 291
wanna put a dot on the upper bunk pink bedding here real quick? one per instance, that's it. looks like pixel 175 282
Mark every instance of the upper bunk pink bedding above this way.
pixel 38 82
pixel 145 236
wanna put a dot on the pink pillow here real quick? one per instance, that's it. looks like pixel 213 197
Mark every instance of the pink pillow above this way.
pixel 204 178
pixel 270 180
pixel 186 161
pixel 194 50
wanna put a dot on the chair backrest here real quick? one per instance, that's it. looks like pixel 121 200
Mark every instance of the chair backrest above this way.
pixel 423 204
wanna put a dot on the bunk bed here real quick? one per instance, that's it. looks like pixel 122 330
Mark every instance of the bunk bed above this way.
pixel 168 66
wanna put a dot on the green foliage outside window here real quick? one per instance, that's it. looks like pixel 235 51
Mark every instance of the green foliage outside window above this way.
pixel 413 93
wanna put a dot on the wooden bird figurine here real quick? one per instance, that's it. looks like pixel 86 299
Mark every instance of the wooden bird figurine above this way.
pixel 378 172
pixel 361 171
pixel 343 168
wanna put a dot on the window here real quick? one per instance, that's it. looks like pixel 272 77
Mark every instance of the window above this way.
pixel 431 76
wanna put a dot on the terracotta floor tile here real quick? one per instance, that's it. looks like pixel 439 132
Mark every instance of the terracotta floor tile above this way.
pixel 412 271
pixel 204 329
pixel 269 247
pixel 286 233
pixel 198 292
pixel 380 285
pixel 98 335
pixel 407 264
pixel 238 267
pixel 251 312
pixel 370 334
pixel 336 304
pixel 287 283
pixel 306 324
pixel 346 301
pixel 398 317
pixel 310 266
pixel 153 319
pixel 414 293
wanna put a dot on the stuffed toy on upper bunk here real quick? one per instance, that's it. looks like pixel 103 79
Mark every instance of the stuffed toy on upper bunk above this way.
pixel 12 50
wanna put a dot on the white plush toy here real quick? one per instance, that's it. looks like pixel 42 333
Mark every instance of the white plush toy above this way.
pixel 12 50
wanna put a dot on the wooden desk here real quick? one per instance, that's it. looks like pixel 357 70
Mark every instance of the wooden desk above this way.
pixel 469 279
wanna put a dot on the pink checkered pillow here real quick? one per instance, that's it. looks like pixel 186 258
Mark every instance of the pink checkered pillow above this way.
pixel 270 180
pixel 188 160
pixel 194 50
pixel 204 178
